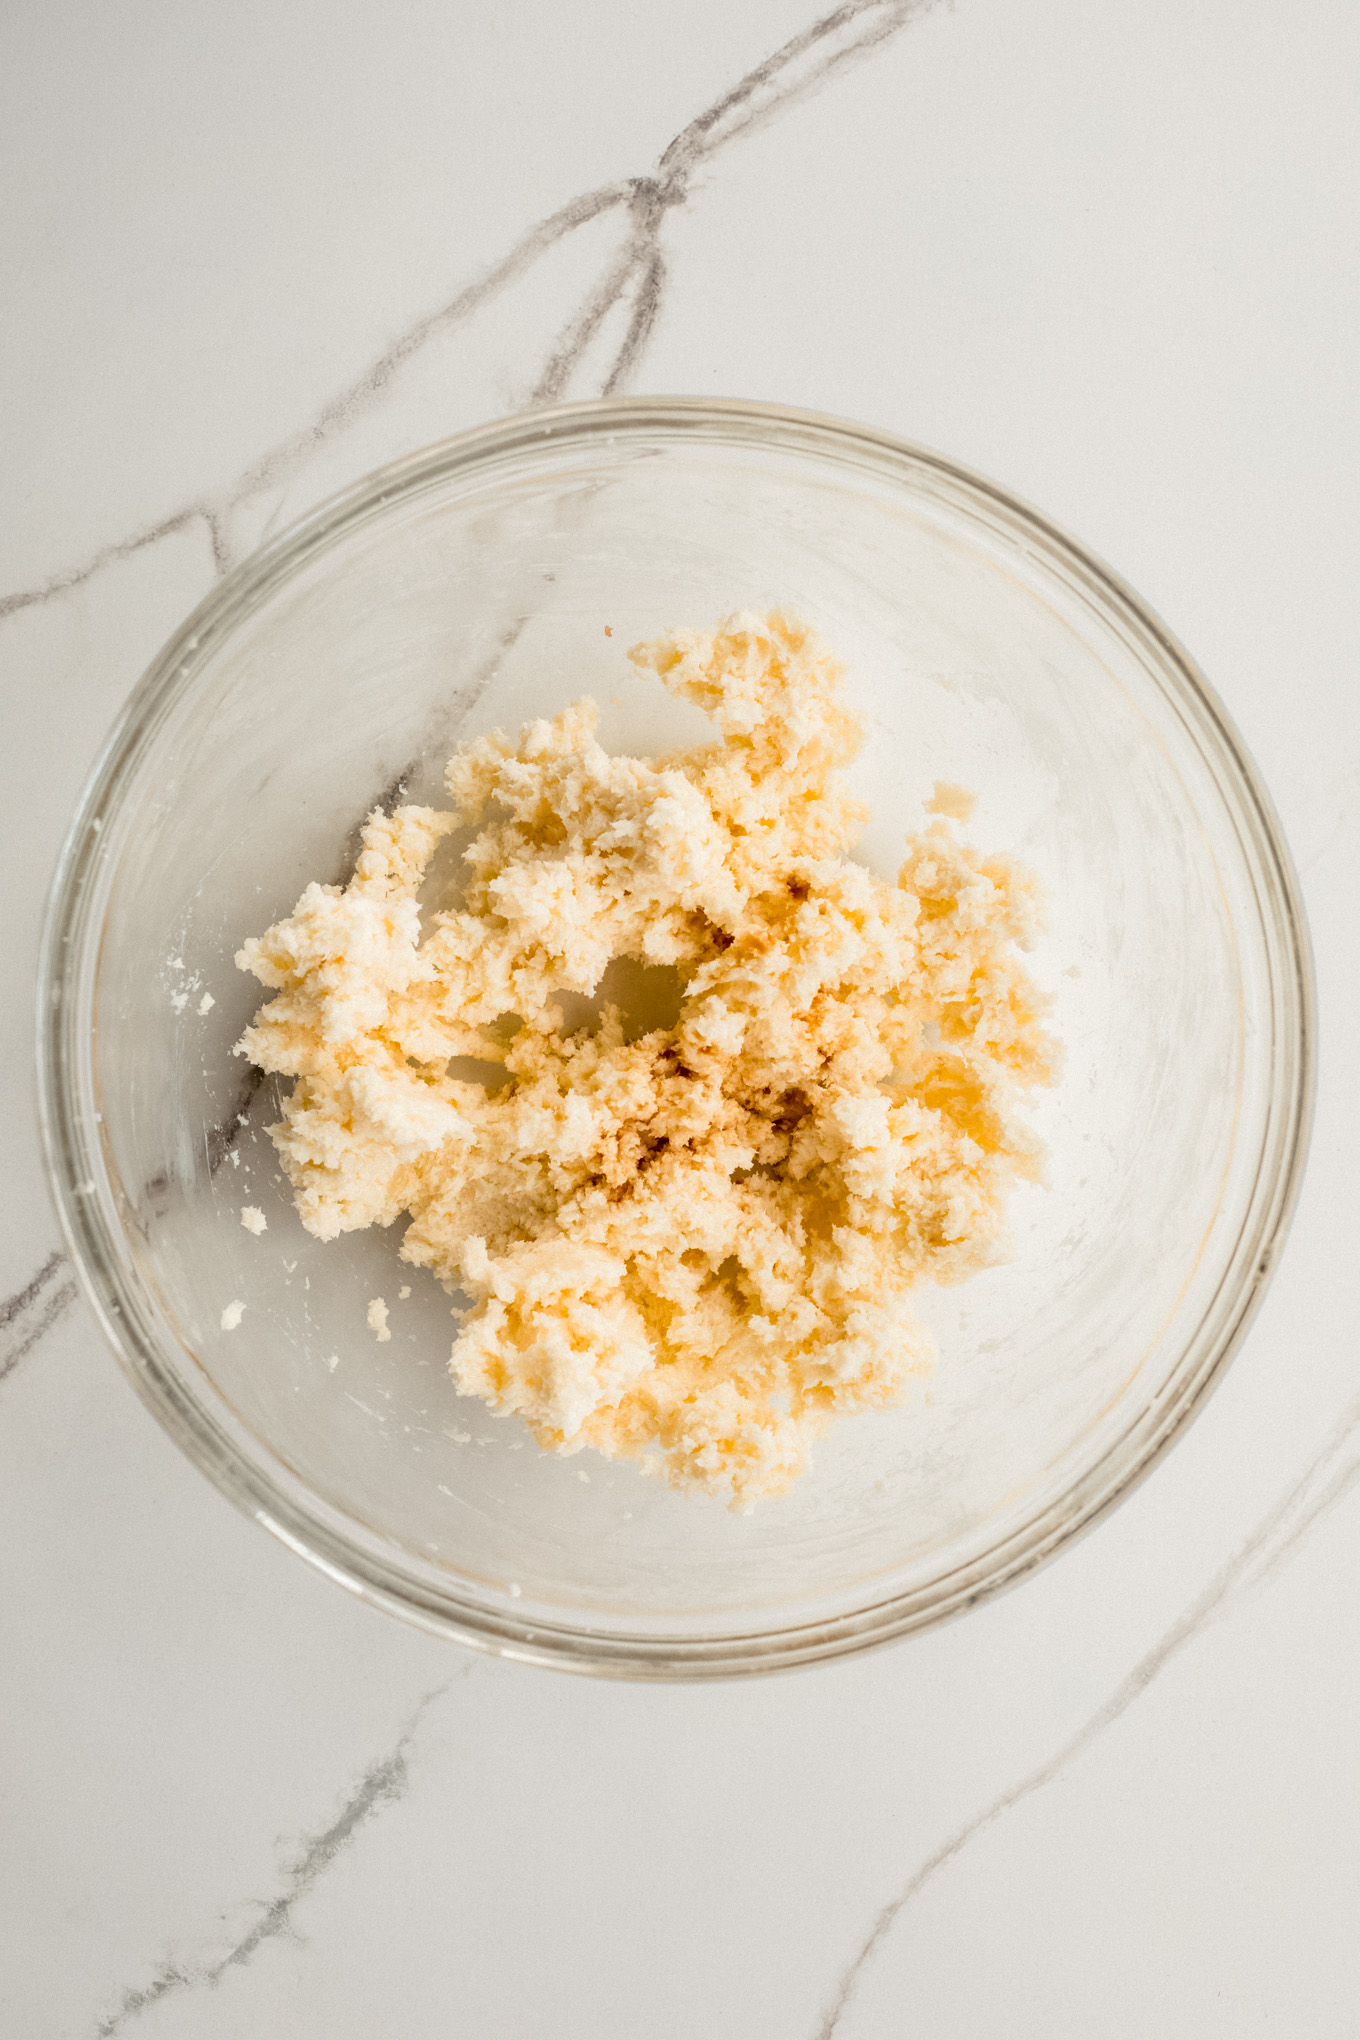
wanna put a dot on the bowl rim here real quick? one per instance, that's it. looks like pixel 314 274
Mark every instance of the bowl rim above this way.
pixel 95 1239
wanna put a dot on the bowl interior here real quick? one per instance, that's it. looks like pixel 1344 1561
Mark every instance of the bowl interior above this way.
pixel 474 588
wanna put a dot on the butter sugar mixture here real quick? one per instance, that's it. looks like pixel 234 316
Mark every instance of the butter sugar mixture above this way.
pixel 695 1248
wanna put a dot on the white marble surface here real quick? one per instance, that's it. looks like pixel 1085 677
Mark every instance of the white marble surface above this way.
pixel 1105 254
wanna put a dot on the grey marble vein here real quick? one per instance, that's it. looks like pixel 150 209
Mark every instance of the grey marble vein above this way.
pixel 219 1140
pixel 782 79
pixel 800 67
pixel 351 403
pixel 795 71
pixel 34 1309
pixel 1331 1475
pixel 340 411
pixel 384 1783
pixel 110 555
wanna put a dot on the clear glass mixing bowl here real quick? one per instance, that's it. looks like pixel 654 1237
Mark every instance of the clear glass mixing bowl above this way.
pixel 470 586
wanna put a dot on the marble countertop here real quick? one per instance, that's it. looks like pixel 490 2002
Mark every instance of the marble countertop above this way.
pixel 1103 254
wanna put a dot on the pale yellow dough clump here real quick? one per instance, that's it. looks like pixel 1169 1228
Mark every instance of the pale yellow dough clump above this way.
pixel 695 1248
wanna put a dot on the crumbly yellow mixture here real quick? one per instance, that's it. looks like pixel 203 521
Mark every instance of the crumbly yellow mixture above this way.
pixel 695 1248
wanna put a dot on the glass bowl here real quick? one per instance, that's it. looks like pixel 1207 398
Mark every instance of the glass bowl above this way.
pixel 499 576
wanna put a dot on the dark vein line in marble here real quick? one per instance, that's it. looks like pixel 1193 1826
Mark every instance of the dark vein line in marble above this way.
pixel 758 97
pixel 217 538
pixel 384 1783
pixel 1306 1507
pixel 582 327
pixel 646 311
pixel 1274 1539
pixel 344 409
pixel 33 1310
pixel 875 22
pixel 638 261
pixel 640 266
pixel 13 1306
pixel 450 720
pixel 339 412
pixel 443 733
pixel 466 699
pixel 219 1140
pixel 110 555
